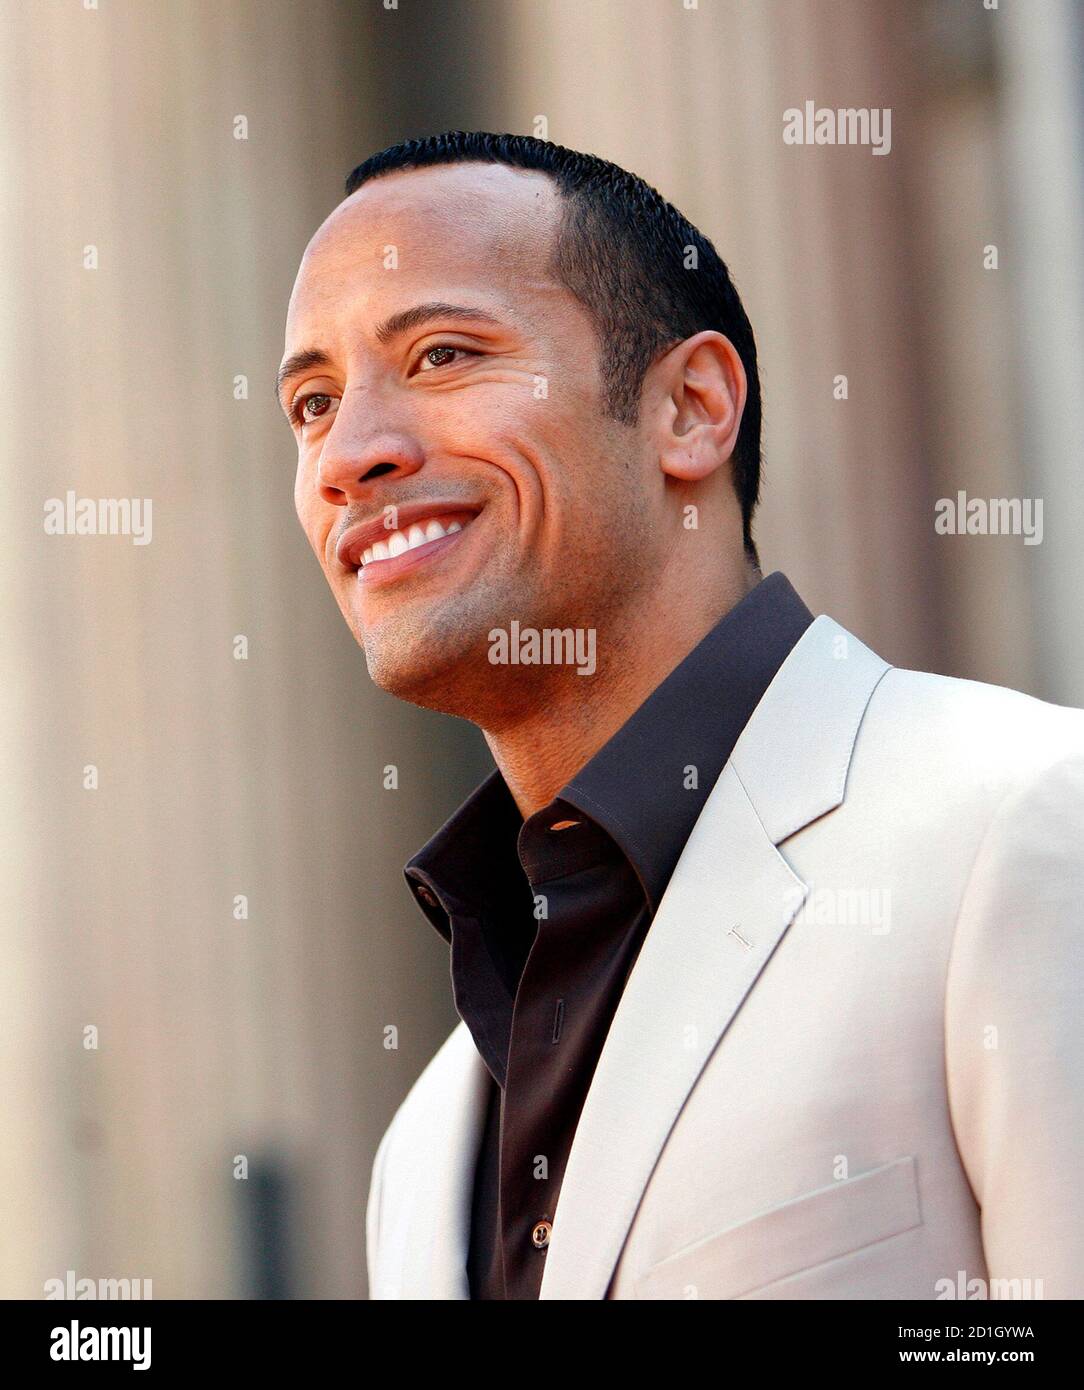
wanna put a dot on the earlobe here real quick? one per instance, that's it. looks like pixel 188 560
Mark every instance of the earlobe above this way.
pixel 706 387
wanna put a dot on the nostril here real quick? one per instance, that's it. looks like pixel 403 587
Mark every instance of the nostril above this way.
pixel 378 470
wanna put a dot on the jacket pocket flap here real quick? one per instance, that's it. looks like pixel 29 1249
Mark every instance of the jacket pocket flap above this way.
pixel 796 1235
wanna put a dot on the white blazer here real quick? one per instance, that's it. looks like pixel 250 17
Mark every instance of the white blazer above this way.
pixel 849 1060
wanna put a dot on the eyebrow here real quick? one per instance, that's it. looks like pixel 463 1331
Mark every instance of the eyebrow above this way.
pixel 392 327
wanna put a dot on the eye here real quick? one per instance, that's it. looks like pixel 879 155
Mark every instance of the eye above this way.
pixel 301 404
pixel 443 352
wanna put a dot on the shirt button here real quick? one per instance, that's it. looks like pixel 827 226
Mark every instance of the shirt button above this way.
pixel 540 1234
pixel 426 896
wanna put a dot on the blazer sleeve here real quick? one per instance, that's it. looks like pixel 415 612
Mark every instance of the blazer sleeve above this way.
pixel 372 1216
pixel 1014 1034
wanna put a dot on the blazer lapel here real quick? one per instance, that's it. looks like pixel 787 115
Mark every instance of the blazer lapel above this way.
pixel 730 900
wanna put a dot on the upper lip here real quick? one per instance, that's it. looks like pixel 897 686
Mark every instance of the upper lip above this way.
pixel 356 539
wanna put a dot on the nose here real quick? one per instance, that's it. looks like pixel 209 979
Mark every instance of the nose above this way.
pixel 355 453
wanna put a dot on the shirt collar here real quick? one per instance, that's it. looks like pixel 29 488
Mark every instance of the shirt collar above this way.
pixel 647 785
pixel 472 857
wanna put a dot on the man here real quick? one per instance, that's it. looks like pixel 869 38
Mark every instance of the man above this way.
pixel 767 954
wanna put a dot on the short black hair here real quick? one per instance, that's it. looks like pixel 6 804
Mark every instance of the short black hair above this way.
pixel 646 276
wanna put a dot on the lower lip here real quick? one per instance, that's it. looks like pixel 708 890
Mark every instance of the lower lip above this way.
pixel 385 571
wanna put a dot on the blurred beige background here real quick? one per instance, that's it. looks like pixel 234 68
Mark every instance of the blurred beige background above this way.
pixel 143 368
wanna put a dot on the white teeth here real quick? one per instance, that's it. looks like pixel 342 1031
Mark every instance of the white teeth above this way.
pixel 401 541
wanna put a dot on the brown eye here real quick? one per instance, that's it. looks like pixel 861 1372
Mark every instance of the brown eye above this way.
pixel 444 353
pixel 304 403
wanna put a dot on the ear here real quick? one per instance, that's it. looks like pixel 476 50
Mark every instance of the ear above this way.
pixel 703 388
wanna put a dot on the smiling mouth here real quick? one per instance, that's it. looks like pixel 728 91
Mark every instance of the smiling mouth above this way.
pixel 415 545
pixel 419 533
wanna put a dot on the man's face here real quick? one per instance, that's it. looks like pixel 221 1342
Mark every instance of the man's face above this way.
pixel 456 470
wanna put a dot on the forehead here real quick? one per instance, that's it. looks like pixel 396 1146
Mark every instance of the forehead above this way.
pixel 481 228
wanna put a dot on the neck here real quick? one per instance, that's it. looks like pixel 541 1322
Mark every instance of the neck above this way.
pixel 566 718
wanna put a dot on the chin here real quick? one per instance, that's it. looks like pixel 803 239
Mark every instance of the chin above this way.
pixel 429 678
pixel 437 654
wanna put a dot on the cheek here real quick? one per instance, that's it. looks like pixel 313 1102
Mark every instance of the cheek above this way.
pixel 302 501
pixel 315 516
pixel 565 493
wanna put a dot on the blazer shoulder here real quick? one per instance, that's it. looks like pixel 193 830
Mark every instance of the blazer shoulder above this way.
pixel 985 732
